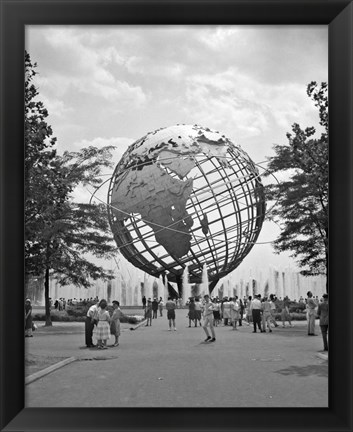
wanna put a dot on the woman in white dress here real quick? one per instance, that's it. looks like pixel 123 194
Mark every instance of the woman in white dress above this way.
pixel 226 311
pixel 235 312
pixel 266 315
pixel 103 326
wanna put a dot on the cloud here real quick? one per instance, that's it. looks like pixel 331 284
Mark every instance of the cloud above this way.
pixel 248 106
pixel 151 66
pixel 76 67
pixel 121 144
pixel 216 37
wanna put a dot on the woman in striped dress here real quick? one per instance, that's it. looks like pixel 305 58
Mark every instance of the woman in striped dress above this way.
pixel 103 326
pixel 115 322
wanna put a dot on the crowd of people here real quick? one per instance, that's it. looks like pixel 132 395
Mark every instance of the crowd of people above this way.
pixel 207 312
pixel 260 311
pixel 61 303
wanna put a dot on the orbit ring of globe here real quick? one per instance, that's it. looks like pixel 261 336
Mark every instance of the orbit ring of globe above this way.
pixel 186 196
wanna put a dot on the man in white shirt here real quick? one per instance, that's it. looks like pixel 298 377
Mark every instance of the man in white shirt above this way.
pixel 208 318
pixel 255 308
pixel 89 324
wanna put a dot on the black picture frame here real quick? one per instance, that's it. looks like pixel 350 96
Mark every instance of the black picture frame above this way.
pixel 338 15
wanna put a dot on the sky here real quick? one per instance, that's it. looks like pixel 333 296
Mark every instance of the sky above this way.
pixel 110 85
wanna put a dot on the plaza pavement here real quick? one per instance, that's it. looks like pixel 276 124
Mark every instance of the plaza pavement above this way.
pixel 153 367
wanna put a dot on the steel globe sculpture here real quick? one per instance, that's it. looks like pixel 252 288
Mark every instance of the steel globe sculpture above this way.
pixel 186 196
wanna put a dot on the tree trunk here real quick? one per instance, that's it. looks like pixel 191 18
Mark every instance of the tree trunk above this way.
pixel 326 271
pixel 326 257
pixel 48 322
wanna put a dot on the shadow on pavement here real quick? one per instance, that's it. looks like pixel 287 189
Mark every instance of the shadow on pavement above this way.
pixel 291 332
pixel 304 371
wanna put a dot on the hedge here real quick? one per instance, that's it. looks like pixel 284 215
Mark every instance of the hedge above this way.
pixel 78 314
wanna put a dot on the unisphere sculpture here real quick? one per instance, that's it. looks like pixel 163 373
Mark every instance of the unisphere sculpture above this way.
pixel 186 195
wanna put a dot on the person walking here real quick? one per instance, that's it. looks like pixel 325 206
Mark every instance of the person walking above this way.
pixel 154 308
pixel 115 322
pixel 28 318
pixel 160 306
pixel 103 326
pixel 226 311
pixel 234 304
pixel 256 309
pixel 171 306
pixel 248 311
pixel 310 313
pixel 144 301
pixel 216 312
pixel 241 312
pixel 266 315
pixel 197 312
pixel 273 310
pixel 285 315
pixel 148 313
pixel 208 319
pixel 323 315
pixel 91 321
pixel 191 314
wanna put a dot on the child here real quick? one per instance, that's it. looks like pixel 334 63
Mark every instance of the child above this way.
pixel 103 327
pixel 115 322
pixel 148 312
pixel 208 319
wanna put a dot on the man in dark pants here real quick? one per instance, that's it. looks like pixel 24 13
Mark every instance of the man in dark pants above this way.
pixel 170 306
pixel 323 315
pixel 154 308
pixel 89 324
pixel 255 308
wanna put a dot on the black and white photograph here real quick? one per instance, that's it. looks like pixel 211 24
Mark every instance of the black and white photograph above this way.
pixel 176 216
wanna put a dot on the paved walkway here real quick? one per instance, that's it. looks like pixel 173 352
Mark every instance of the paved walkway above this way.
pixel 153 367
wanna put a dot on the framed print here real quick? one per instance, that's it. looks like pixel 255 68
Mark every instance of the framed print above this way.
pixel 110 72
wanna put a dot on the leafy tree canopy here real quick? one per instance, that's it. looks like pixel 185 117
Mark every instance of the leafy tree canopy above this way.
pixel 59 232
pixel 301 201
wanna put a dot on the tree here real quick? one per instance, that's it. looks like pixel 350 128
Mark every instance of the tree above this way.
pixel 59 232
pixel 301 202
pixel 39 155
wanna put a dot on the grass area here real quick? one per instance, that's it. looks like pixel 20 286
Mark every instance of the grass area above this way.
pixel 36 363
